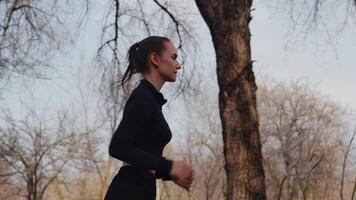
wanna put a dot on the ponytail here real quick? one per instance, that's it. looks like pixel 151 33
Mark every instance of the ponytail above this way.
pixel 131 68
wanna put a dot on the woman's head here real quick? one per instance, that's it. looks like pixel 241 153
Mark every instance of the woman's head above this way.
pixel 153 53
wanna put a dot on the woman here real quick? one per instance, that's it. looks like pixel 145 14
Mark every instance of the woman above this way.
pixel 143 132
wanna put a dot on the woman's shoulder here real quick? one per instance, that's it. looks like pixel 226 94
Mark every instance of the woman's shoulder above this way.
pixel 141 94
pixel 140 91
pixel 139 101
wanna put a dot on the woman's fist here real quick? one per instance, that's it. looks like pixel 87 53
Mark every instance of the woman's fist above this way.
pixel 182 174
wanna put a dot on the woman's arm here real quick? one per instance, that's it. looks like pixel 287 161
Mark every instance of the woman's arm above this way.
pixel 124 150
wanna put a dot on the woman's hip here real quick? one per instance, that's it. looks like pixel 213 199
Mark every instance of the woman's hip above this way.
pixel 132 183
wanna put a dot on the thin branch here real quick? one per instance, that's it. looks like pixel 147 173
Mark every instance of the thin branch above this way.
pixel 175 21
pixel 344 164
pixel 116 35
pixel 7 174
pixel 144 21
pixel 353 190
pixel 281 188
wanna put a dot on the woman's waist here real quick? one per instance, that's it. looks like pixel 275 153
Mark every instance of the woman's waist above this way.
pixel 152 172
pixel 132 174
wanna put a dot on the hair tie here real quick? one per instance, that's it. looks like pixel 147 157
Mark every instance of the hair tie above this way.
pixel 137 45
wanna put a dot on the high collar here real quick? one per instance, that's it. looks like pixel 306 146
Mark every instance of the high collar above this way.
pixel 159 96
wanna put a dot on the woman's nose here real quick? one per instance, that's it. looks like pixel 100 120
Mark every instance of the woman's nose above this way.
pixel 179 65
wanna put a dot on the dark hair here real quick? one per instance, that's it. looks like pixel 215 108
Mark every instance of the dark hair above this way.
pixel 138 54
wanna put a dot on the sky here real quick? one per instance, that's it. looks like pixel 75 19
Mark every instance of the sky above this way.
pixel 331 69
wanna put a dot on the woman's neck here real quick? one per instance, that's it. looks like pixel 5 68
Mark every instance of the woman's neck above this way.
pixel 156 81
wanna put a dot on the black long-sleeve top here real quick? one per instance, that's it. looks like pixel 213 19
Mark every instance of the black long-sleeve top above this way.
pixel 143 132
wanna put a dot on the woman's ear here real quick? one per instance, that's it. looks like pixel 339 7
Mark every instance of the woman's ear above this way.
pixel 154 59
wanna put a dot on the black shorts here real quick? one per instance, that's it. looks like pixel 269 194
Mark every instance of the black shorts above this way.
pixel 131 183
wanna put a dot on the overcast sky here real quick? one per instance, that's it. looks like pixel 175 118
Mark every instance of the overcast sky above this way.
pixel 331 69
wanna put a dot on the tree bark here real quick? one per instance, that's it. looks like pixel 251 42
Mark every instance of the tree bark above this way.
pixel 228 21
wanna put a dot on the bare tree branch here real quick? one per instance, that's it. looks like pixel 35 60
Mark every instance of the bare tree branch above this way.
pixel 34 157
pixel 29 32
pixel 348 148
pixel 299 128
pixel 353 190
pixel 175 21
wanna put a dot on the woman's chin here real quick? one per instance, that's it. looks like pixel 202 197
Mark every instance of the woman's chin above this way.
pixel 171 79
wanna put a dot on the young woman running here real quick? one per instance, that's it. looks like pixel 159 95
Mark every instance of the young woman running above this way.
pixel 143 131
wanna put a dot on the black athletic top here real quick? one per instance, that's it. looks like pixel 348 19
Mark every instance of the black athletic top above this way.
pixel 143 132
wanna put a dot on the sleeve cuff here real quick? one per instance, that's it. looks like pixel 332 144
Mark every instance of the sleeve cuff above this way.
pixel 164 169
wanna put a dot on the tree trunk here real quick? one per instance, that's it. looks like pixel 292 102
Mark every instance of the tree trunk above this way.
pixel 228 23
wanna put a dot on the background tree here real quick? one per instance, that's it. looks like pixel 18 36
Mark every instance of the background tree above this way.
pixel 317 22
pixel 32 30
pixel 302 134
pixel 92 170
pixel 201 147
pixel 35 154
pixel 346 160
pixel 303 158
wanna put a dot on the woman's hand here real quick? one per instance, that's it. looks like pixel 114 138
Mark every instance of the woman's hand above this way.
pixel 182 174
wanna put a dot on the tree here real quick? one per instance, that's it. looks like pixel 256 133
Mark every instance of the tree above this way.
pixel 34 154
pixel 228 22
pixel 30 31
pixel 92 170
pixel 201 147
pixel 206 148
pixel 301 132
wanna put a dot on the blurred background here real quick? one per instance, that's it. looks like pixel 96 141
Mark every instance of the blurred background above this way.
pixel 60 62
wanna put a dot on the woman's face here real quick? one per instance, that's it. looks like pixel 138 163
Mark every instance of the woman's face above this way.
pixel 167 63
